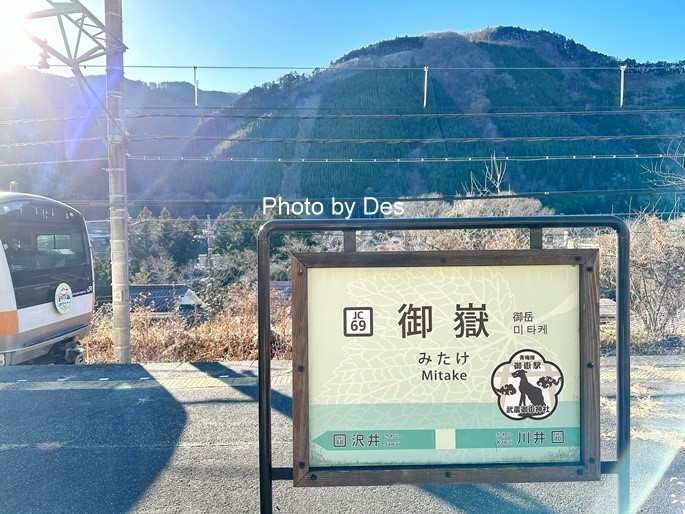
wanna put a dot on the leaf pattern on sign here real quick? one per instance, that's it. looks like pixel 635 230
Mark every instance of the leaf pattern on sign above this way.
pixel 385 369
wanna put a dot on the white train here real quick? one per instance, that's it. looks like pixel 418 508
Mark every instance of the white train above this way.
pixel 46 280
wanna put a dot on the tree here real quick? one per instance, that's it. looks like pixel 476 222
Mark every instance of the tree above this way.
pixel 144 235
pixel 237 267
pixel 157 269
pixel 103 280
pixel 484 197
pixel 234 232
pixel 657 271
pixel 183 240
pixel 670 170
pixel 164 237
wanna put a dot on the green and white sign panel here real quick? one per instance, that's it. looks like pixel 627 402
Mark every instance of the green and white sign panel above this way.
pixel 458 359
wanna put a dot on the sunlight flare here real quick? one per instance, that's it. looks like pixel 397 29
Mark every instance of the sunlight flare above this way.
pixel 16 49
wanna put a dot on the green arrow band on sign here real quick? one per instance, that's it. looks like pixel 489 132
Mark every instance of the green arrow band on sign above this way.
pixel 377 440
pixel 448 439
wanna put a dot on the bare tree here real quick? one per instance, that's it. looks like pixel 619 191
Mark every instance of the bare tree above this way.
pixel 485 196
pixel 670 169
pixel 657 271
pixel 492 180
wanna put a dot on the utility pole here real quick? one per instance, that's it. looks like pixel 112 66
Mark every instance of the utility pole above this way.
pixel 209 234
pixel 118 210
pixel 93 40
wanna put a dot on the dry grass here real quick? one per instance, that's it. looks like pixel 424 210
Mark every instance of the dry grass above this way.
pixel 647 405
pixel 229 335
pixel 232 335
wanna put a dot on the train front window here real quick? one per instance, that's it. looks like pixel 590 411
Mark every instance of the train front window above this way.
pixel 44 245
pixel 53 242
pixel 43 251
pixel 42 236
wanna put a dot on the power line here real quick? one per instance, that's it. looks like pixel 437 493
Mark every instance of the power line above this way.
pixel 381 160
pixel 232 111
pixel 412 116
pixel 638 68
pixel 405 116
pixel 52 162
pixel 413 199
pixel 50 142
pixel 364 141
pixel 361 141
pixel 411 160
pixel 423 141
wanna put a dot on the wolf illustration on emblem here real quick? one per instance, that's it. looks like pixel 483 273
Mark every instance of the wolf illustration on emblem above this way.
pixel 527 386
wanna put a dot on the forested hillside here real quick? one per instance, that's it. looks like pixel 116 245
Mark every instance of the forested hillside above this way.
pixel 544 104
pixel 53 132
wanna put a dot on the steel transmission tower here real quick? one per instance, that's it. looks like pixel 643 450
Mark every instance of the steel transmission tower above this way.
pixel 93 40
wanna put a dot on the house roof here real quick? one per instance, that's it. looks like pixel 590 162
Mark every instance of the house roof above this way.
pixel 284 287
pixel 607 308
pixel 163 297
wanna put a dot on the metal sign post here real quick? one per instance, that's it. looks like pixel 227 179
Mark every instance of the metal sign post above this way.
pixel 330 445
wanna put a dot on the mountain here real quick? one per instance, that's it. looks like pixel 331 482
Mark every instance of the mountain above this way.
pixel 545 105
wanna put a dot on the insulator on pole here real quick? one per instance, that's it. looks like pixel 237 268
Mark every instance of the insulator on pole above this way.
pixel 195 83
pixel 425 86
pixel 623 81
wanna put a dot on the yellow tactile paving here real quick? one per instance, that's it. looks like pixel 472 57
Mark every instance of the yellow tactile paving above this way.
pixel 185 383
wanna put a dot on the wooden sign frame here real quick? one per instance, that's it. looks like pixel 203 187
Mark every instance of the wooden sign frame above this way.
pixel 586 468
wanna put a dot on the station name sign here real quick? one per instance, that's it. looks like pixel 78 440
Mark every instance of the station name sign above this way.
pixel 434 367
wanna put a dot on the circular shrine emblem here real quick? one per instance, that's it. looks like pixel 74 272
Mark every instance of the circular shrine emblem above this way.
pixel 527 387
pixel 63 297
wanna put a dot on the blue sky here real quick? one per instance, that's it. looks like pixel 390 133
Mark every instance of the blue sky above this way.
pixel 303 34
